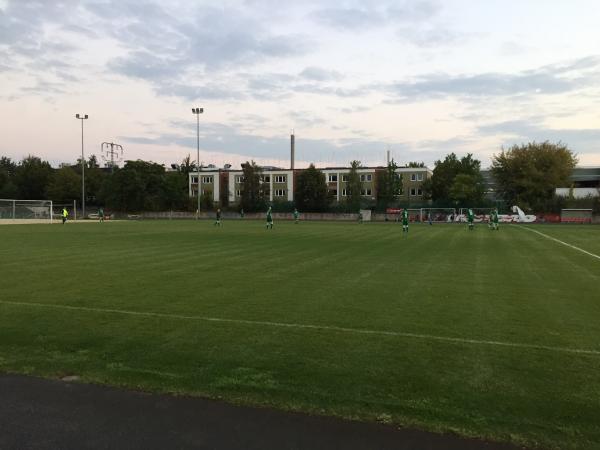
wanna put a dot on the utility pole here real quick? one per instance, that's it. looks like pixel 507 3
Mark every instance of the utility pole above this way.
pixel 82 117
pixel 112 150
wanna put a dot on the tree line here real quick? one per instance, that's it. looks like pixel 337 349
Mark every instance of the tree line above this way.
pixel 525 174
pixel 138 186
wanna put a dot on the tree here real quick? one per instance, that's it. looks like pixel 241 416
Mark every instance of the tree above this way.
pixel 187 165
pixel 138 186
pixel 389 185
pixel 223 191
pixel 7 173
pixel 65 185
pixel 92 162
pixel 415 164
pixel 311 190
pixel 175 190
pixel 467 190
pixel 8 166
pixel 32 177
pixel 439 186
pixel 528 174
pixel 354 186
pixel 253 194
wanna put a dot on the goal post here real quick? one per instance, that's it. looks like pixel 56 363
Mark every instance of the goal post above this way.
pixel 36 211
pixel 576 215
pixel 438 215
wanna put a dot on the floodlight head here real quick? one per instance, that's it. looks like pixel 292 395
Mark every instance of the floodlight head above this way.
pixel 86 116
pixel 77 116
pixel 201 110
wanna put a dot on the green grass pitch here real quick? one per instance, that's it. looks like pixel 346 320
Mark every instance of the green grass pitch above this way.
pixel 490 334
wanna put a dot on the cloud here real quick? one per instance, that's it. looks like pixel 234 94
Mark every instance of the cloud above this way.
pixel 319 74
pixel 531 129
pixel 555 79
pixel 352 19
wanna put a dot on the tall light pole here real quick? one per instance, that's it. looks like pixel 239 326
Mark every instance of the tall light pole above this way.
pixel 82 117
pixel 197 112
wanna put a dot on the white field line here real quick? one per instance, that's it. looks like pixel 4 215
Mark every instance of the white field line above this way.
pixel 593 255
pixel 298 326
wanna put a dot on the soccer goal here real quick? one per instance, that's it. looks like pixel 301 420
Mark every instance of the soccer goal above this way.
pixel 576 215
pixel 438 215
pixel 26 211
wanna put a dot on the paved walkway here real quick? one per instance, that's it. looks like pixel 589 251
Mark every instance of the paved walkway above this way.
pixel 51 414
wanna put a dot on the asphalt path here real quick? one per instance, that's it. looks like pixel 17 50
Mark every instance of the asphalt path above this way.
pixel 39 413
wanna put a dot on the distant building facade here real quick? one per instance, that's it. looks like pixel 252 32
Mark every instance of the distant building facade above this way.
pixel 280 184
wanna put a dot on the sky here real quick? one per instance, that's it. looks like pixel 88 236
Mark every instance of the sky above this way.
pixel 353 79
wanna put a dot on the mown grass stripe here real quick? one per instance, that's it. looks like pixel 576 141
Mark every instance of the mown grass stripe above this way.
pixel 308 327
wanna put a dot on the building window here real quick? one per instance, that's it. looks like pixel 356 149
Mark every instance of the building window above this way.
pixel 207 180
pixel 238 193
pixel 366 177
pixel 345 192
pixel 279 192
pixel 280 178
pixel 419 177
pixel 344 177
pixel 413 192
pixel 413 177
pixel 195 180
pixel 332 177
pixel 365 192
pixel 333 192
pixel 419 191
pixel 267 179
pixel 239 178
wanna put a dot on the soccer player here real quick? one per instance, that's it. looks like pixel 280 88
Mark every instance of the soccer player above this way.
pixel 218 221
pixel 269 218
pixel 296 215
pixel 101 214
pixel 404 221
pixel 429 218
pixel 65 215
pixel 242 213
pixel 470 219
pixel 360 217
pixel 495 219
pixel 491 220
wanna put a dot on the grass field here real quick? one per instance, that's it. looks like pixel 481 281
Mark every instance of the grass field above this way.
pixel 490 334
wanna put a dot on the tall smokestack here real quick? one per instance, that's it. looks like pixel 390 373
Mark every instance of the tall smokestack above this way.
pixel 293 149
pixel 388 157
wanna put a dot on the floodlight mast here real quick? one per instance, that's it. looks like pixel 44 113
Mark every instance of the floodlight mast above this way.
pixel 197 112
pixel 82 117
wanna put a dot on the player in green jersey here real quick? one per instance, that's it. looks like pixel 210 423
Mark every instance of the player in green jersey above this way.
pixel 269 218
pixel 495 219
pixel 470 219
pixel 404 220
pixel 218 218
pixel 296 215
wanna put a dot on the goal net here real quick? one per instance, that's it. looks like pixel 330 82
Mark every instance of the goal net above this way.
pixel 481 214
pixel 395 214
pixel 438 215
pixel 576 215
pixel 12 210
